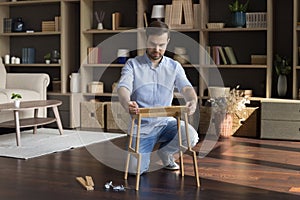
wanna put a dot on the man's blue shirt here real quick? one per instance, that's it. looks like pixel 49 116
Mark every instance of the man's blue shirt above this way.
pixel 152 86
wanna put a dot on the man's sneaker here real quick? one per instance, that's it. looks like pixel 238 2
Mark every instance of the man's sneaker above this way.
pixel 172 166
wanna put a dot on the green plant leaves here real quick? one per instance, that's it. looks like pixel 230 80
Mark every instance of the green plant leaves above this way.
pixel 236 6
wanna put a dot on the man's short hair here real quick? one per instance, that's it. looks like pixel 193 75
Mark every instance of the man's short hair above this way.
pixel 157 28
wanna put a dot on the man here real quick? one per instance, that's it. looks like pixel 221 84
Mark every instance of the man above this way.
pixel 149 81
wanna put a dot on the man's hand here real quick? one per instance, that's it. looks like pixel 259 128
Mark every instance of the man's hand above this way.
pixel 192 105
pixel 133 107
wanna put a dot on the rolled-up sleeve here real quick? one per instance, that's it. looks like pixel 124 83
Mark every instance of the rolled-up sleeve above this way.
pixel 181 80
pixel 126 79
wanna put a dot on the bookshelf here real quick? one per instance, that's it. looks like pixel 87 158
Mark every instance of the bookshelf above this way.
pixel 42 41
pixel 208 11
pixel 108 40
pixel 241 40
pixel 296 52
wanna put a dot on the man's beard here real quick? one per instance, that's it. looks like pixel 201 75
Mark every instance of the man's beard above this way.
pixel 154 55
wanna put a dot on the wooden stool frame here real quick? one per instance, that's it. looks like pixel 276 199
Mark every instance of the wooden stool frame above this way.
pixel 169 111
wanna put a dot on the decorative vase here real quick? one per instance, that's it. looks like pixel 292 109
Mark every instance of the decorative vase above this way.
pixel 100 26
pixel 224 122
pixel 55 56
pixel 282 85
pixel 17 103
pixel 238 19
pixel 18 25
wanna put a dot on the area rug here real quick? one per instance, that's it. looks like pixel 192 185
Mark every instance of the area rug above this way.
pixel 48 141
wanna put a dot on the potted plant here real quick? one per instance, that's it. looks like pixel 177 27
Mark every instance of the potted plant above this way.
pixel 282 68
pixel 238 11
pixel 224 107
pixel 47 58
pixel 17 99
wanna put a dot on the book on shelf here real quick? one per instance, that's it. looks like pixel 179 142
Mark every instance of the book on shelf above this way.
pixel 196 8
pixel 176 14
pixel 222 55
pixel 7 25
pixel 216 55
pixel 256 20
pixel 230 54
pixel 168 12
pixel 180 14
pixel 28 55
pixel 94 55
pixel 145 19
pixel 48 26
pixel 208 59
pixel 57 23
pixel 258 59
pixel 116 20
pixel 188 11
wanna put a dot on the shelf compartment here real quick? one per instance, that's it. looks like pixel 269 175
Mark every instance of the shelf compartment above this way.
pixel 239 66
pixel 31 34
pixel 233 29
pixel 34 65
pixel 96 31
pixel 102 65
pixel 18 3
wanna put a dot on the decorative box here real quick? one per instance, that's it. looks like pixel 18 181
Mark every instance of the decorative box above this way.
pixel 95 87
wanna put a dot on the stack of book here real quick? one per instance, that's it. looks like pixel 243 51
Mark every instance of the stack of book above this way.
pixel 7 25
pixel 220 55
pixel 180 14
pixel 48 26
pixel 256 20
pixel 28 55
pixel 93 55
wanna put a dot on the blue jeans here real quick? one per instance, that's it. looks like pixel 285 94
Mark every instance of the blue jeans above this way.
pixel 167 137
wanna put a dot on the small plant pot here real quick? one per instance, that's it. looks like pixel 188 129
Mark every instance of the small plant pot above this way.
pixel 17 103
pixel 47 61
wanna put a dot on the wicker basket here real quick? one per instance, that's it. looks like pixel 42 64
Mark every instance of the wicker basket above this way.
pixel 215 25
pixel 92 114
pixel 116 118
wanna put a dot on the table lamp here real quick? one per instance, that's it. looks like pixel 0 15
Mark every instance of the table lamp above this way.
pixel 158 12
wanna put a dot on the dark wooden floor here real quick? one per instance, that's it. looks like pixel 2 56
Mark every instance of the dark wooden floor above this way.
pixel 237 168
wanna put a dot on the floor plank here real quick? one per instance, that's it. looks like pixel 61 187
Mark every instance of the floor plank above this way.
pixel 237 168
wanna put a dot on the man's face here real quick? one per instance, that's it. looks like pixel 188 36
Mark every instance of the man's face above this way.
pixel 156 46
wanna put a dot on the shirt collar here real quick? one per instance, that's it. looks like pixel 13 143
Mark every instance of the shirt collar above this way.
pixel 147 59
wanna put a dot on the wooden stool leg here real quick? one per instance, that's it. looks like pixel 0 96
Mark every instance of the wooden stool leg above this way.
pixel 138 174
pixel 134 151
pixel 190 150
pixel 180 146
pixel 129 149
pixel 137 147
